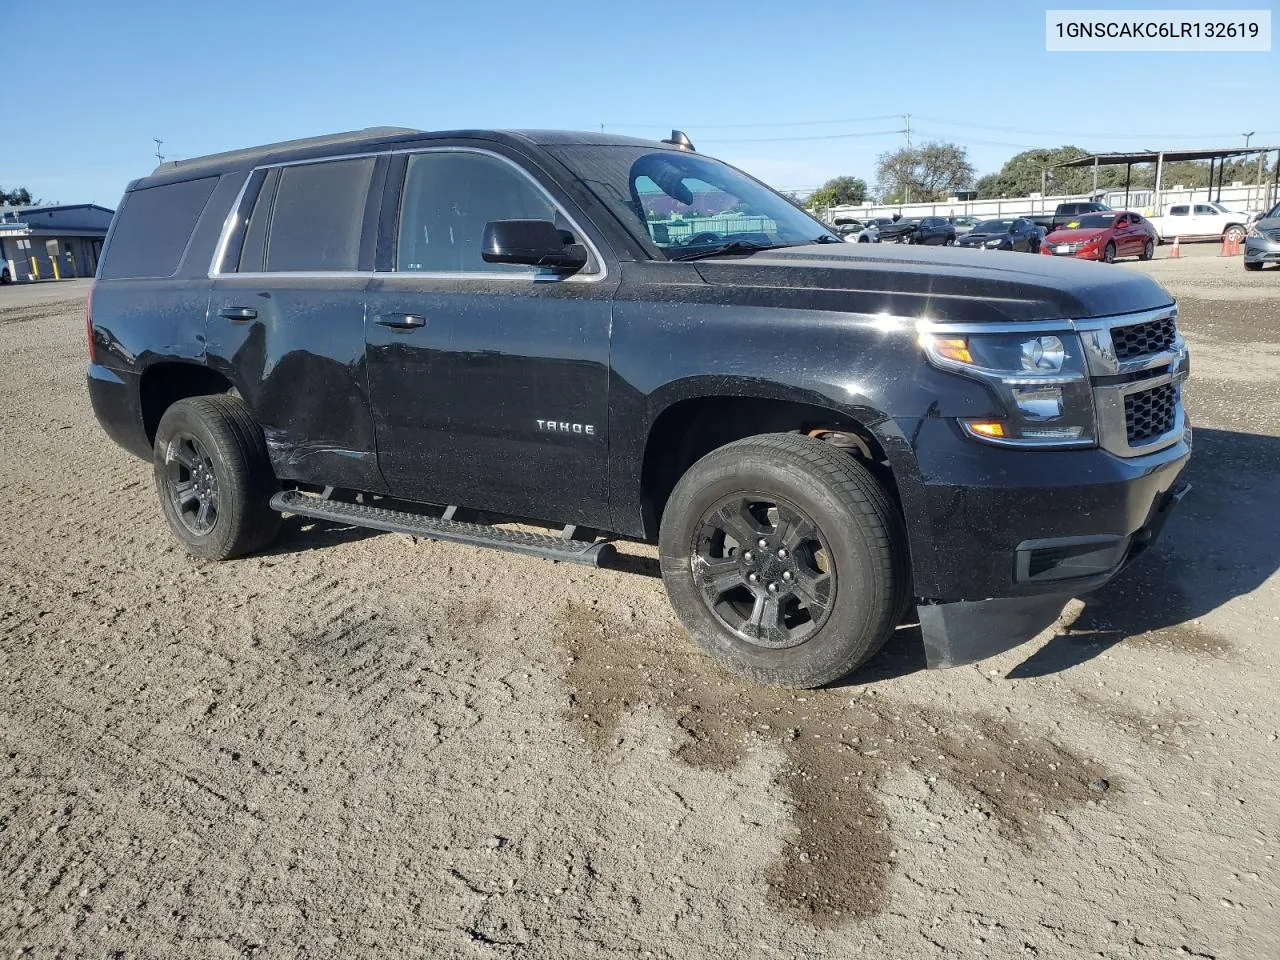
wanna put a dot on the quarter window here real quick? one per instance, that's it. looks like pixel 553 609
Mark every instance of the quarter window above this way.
pixel 318 215
pixel 449 197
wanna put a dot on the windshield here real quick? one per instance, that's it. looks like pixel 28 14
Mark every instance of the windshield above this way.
pixel 993 226
pixel 680 203
pixel 1093 221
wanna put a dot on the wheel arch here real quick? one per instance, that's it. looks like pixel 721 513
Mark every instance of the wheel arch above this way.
pixel 693 419
pixel 164 383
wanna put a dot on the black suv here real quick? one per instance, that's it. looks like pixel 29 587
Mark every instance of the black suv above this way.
pixel 429 332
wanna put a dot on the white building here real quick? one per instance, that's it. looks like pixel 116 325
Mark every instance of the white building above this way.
pixel 50 243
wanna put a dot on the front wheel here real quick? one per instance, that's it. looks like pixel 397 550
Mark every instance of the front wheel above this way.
pixel 785 559
pixel 214 477
pixel 1148 250
pixel 1109 253
pixel 1233 234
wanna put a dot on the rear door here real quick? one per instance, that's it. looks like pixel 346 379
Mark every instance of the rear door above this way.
pixel 489 381
pixel 286 319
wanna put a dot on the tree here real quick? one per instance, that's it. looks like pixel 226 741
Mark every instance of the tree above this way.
pixel 18 197
pixel 931 171
pixel 838 191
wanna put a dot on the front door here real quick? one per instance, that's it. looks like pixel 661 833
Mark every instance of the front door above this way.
pixel 489 381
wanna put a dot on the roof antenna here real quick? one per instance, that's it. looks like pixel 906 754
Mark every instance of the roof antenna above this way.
pixel 159 156
pixel 680 140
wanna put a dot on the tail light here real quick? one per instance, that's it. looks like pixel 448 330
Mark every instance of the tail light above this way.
pixel 88 324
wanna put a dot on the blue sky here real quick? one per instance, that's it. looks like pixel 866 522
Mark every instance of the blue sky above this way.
pixel 794 92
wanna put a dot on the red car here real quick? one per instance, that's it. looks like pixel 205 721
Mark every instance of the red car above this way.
pixel 1103 236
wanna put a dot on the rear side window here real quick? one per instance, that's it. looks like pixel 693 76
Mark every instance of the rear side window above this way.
pixel 153 228
pixel 1178 211
pixel 317 216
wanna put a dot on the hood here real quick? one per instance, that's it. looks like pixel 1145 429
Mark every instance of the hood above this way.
pixel 938 283
pixel 1076 236
pixel 974 235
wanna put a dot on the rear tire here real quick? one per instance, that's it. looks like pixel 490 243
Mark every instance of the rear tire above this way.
pixel 838 592
pixel 214 477
pixel 1109 253
pixel 1148 250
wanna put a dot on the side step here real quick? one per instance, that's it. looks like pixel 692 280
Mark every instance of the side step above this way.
pixel 591 553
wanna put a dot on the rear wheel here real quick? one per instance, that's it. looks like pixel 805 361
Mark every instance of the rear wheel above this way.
pixel 214 477
pixel 1109 253
pixel 785 559
pixel 1148 250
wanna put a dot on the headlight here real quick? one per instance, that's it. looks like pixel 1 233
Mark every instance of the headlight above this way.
pixel 1041 381
pixel 1252 230
pixel 993 243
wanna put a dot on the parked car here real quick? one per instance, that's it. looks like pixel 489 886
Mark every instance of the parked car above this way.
pixel 934 231
pixel 1105 237
pixel 421 332
pixel 964 224
pixel 858 231
pixel 1064 213
pixel 1016 234
pixel 1262 240
pixel 1203 220
pixel 898 231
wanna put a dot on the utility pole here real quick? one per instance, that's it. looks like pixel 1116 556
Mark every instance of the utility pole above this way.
pixel 159 155
pixel 1247 136
pixel 906 186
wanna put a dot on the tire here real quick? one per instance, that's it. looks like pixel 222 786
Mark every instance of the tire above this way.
pixel 1148 250
pixel 214 477
pixel 1233 234
pixel 1109 252
pixel 1257 265
pixel 4 275
pixel 856 552
pixel 951 241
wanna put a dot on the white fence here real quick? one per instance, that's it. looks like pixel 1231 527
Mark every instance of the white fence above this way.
pixel 1237 196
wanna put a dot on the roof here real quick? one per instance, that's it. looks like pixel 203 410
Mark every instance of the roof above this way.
pixel 1151 156
pixel 357 141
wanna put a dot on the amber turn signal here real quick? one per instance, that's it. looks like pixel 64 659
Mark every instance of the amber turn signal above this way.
pixel 986 428
pixel 953 348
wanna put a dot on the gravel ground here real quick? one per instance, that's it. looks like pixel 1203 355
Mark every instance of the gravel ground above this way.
pixel 359 744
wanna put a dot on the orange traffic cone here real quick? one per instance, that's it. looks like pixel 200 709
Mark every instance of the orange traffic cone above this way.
pixel 1226 247
pixel 1176 252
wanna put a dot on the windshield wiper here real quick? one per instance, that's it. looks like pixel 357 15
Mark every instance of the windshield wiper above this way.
pixel 826 238
pixel 733 246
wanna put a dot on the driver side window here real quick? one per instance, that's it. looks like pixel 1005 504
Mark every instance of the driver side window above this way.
pixel 711 215
pixel 448 198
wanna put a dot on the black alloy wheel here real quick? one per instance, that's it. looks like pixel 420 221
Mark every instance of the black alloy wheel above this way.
pixel 763 569
pixel 191 484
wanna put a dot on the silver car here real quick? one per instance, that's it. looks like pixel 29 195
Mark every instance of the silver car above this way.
pixel 1262 240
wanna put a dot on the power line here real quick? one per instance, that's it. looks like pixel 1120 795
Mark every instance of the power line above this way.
pixel 831 136
pixel 757 125
pixel 1077 133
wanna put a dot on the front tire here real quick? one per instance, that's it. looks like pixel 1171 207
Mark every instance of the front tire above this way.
pixel 1233 234
pixel 214 477
pixel 785 559
pixel 1109 253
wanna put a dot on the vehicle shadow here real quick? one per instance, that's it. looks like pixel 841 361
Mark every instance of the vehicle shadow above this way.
pixel 300 534
pixel 1223 541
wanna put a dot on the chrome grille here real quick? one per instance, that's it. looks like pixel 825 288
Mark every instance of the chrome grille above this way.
pixel 1150 413
pixel 1140 339
pixel 1273 235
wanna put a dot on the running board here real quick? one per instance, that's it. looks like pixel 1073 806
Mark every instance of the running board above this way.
pixel 591 553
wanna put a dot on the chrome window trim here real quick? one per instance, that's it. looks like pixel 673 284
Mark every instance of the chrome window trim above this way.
pixel 232 222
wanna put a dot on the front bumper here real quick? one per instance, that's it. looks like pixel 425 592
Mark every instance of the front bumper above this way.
pixel 1261 250
pixel 1002 538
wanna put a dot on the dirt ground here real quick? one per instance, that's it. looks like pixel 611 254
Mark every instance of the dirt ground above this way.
pixel 359 744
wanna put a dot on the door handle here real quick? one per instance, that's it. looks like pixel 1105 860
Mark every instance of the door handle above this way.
pixel 238 313
pixel 401 321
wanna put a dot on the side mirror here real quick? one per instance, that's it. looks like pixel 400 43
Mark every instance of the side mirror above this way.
pixel 534 243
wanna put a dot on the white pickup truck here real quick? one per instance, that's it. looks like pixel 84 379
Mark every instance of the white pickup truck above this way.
pixel 1201 220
